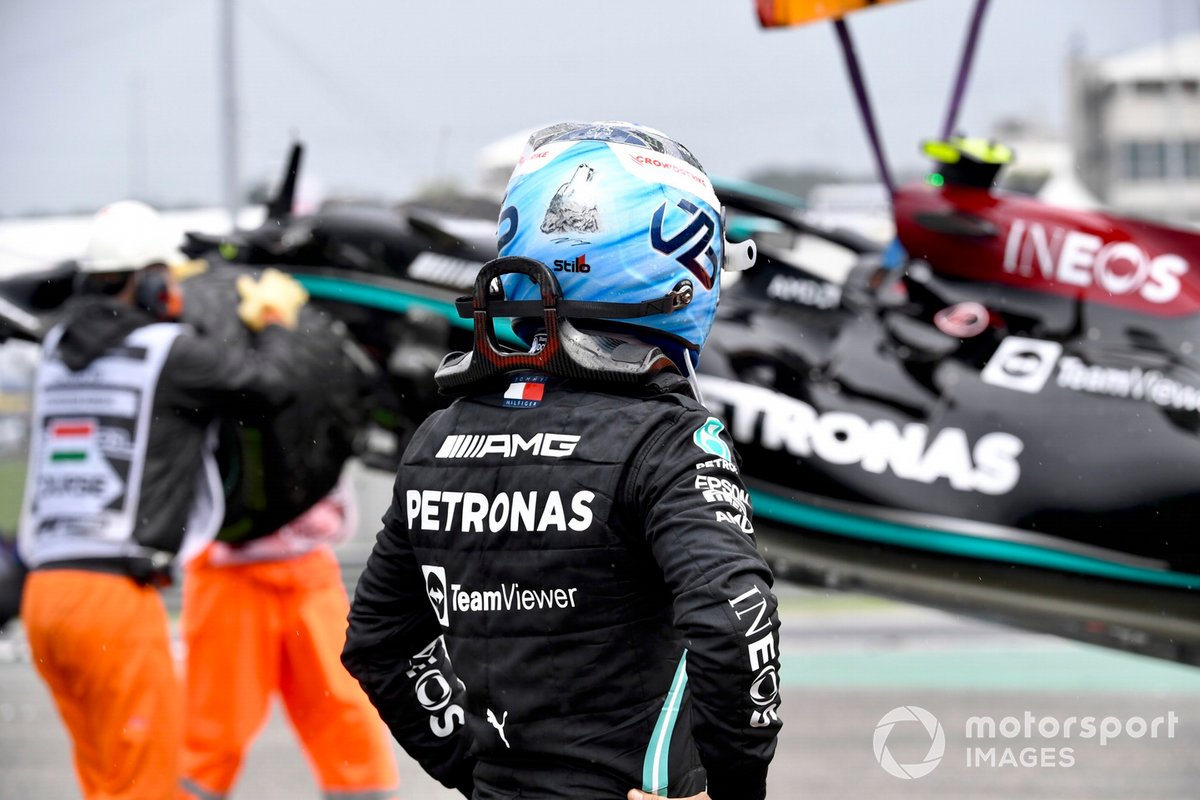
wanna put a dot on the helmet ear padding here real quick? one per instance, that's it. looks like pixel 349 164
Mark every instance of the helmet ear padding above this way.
pixel 739 256
pixel 155 294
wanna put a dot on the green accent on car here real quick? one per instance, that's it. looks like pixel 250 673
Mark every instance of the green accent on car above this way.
pixel 780 509
pixel 758 190
pixel 384 417
pixel 743 228
pixel 1007 665
pixel 365 294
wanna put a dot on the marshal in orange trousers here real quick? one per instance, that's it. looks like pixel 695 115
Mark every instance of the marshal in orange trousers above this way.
pixel 101 643
pixel 255 628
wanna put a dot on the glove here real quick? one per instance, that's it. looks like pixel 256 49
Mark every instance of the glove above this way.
pixel 274 299
pixel 182 270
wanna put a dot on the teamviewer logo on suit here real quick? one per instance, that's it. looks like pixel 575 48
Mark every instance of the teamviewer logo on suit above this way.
pixel 1022 364
pixel 435 587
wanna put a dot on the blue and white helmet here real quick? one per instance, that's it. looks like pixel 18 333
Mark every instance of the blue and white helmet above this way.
pixel 622 214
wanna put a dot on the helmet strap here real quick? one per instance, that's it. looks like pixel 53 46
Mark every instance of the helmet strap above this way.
pixel 567 351
pixel 692 379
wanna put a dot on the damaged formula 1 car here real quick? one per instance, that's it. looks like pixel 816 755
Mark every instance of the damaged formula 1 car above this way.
pixel 1003 421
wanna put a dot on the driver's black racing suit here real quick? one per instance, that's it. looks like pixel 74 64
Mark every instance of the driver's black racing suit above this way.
pixel 589 560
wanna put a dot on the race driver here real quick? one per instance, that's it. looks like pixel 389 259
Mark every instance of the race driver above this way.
pixel 565 600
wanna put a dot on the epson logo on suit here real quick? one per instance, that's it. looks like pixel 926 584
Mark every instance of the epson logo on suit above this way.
pixel 430 686
pixel 507 445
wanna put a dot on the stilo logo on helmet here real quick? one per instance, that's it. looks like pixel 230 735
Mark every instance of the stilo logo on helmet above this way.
pixel 625 215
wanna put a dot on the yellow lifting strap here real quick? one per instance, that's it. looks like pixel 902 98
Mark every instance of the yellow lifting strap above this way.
pixel 957 148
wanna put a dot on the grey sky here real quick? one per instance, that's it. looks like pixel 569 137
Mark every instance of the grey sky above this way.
pixel 389 94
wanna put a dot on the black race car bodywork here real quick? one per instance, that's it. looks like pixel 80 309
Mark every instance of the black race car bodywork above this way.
pixel 1023 455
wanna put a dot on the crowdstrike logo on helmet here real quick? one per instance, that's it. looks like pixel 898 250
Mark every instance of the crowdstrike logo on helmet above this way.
pixel 674 166
pixel 937 742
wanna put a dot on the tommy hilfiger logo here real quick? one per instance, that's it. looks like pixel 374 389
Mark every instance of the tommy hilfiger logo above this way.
pixel 525 392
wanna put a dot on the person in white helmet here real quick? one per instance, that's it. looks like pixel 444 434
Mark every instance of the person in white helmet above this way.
pixel 121 486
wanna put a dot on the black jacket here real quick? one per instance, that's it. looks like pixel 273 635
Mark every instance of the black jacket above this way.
pixel 570 553
pixel 201 378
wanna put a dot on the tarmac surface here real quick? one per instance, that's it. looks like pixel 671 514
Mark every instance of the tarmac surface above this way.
pixel 859 675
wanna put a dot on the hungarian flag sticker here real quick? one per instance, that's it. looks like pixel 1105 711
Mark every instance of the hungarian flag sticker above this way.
pixel 525 392
pixel 75 478
pixel 70 440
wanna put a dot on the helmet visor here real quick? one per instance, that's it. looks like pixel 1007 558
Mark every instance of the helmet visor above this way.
pixel 617 132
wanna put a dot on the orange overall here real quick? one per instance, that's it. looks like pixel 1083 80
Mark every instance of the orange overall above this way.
pixel 256 626
pixel 100 642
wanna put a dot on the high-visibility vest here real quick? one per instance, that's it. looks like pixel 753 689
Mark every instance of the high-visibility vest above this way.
pixel 88 451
